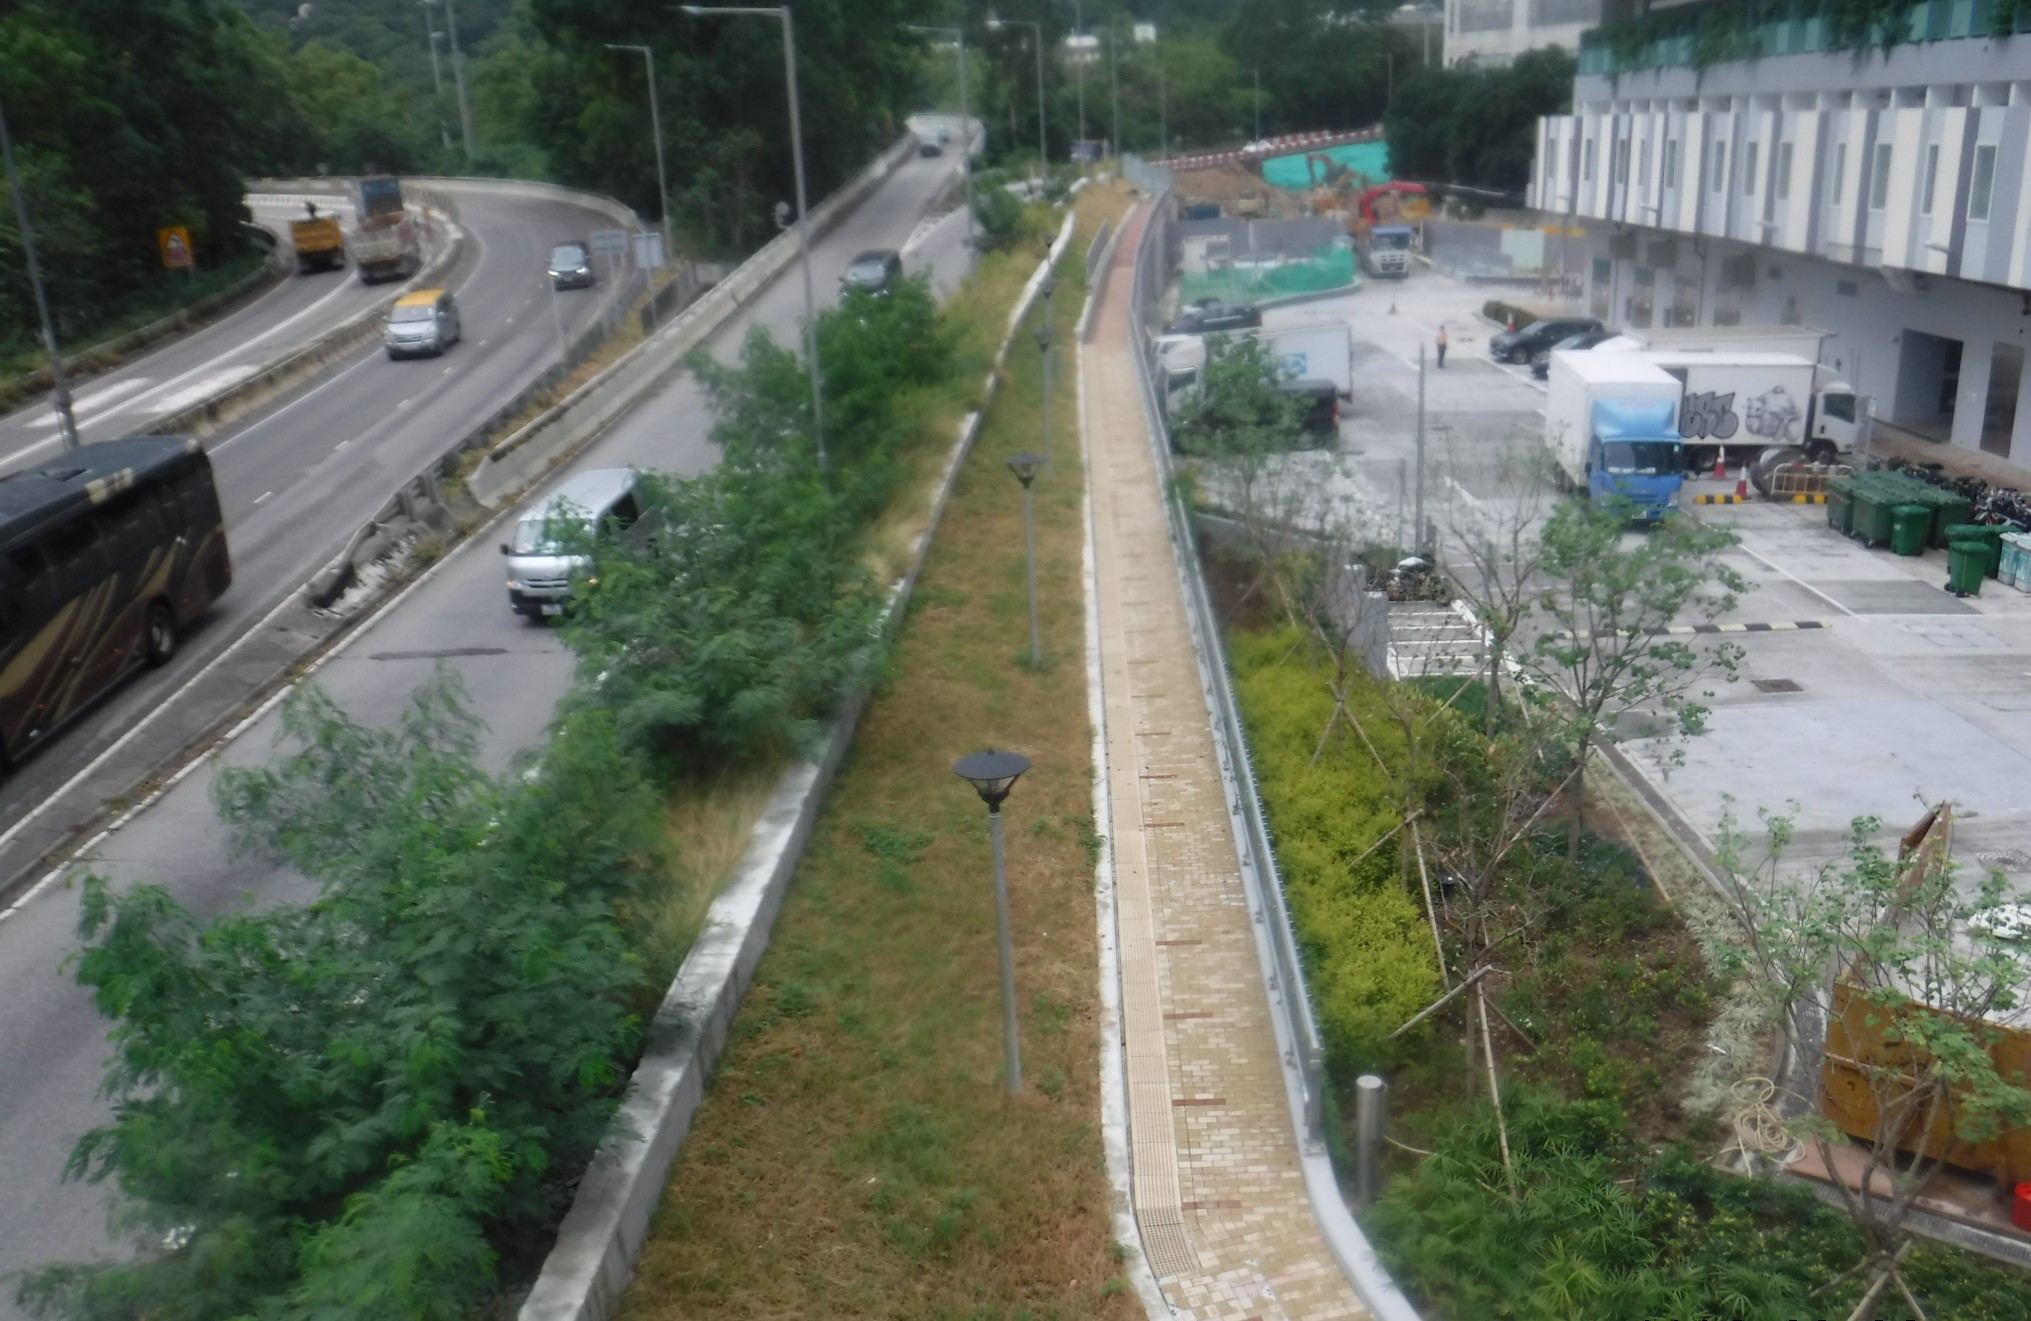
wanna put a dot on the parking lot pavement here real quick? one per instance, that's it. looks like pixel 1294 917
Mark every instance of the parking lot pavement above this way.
pixel 1886 695
pixel 1865 689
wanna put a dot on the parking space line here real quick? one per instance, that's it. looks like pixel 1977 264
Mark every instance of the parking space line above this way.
pixel 1774 567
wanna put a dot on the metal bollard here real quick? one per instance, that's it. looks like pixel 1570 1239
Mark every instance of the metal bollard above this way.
pixel 1371 1117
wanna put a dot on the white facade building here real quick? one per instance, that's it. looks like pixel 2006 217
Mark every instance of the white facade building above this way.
pixel 1494 32
pixel 1883 195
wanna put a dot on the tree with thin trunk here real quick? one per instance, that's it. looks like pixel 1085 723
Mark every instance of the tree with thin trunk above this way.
pixel 1492 549
pixel 1891 981
pixel 1610 598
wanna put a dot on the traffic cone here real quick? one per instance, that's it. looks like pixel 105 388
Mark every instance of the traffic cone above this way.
pixel 1512 323
pixel 1742 484
pixel 1720 467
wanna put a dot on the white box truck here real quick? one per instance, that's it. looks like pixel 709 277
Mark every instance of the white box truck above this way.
pixel 1609 422
pixel 1750 387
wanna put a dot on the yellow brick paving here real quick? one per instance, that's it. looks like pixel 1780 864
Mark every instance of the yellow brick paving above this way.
pixel 1218 1192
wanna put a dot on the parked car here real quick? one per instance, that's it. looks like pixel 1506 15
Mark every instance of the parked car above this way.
pixel 1214 318
pixel 877 271
pixel 1521 346
pixel 929 148
pixel 1540 362
pixel 571 266
pixel 424 322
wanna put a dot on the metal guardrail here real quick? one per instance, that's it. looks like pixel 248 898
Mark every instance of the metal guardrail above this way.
pixel 1258 855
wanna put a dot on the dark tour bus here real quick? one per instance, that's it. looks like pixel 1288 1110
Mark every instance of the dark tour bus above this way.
pixel 106 555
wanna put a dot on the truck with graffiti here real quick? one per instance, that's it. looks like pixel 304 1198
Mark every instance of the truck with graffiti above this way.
pixel 1736 405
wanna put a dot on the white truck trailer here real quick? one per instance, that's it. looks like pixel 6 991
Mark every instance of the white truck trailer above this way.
pixel 1798 341
pixel 1321 351
pixel 1608 423
pixel 1739 403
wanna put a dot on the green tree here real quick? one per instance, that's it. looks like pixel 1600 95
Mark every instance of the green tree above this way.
pixel 1321 67
pixel 339 1109
pixel 1476 126
pixel 1608 599
pixel 1896 970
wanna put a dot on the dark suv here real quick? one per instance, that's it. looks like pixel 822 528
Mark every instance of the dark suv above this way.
pixel 1540 362
pixel 1213 318
pixel 571 266
pixel 1522 345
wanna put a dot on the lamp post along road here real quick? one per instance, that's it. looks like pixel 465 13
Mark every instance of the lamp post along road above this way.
pixel 803 211
pixel 655 127
pixel 436 78
pixel 60 389
pixel 1043 337
pixel 1025 466
pixel 458 76
pixel 1037 32
pixel 965 145
pixel 992 775
pixel 1114 89
pixel 1257 75
pixel 1079 31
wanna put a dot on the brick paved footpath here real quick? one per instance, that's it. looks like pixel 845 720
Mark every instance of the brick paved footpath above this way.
pixel 1218 1192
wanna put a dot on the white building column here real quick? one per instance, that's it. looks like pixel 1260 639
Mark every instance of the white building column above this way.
pixel 2020 426
pixel 1971 401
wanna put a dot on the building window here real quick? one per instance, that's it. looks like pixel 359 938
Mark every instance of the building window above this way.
pixel 1669 176
pixel 1840 170
pixel 1720 162
pixel 1587 161
pixel 1931 179
pixel 1879 178
pixel 1643 164
pixel 1749 170
pixel 1783 184
pixel 1622 161
pixel 1983 186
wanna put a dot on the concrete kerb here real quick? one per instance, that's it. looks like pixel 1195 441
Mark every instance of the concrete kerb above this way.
pixel 588 1271
pixel 531 451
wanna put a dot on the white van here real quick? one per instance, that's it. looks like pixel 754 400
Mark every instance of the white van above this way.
pixel 539 571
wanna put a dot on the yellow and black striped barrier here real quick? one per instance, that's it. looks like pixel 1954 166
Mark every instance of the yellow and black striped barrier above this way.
pixel 1722 499
pixel 1818 498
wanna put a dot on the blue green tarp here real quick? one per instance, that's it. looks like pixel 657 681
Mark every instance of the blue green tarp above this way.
pixel 1363 158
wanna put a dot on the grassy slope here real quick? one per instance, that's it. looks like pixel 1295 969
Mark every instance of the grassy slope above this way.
pixel 858 1154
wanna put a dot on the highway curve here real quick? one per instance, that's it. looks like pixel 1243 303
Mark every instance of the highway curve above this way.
pixel 387 418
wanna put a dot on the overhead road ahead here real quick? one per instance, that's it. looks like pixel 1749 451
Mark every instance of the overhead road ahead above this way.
pixel 50 1035
pixel 297 477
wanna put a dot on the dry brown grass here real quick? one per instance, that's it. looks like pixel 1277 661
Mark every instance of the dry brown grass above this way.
pixel 858 1155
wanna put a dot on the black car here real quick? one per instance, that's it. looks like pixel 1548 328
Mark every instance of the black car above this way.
pixel 571 266
pixel 1522 345
pixel 930 148
pixel 877 271
pixel 1540 363
pixel 1213 318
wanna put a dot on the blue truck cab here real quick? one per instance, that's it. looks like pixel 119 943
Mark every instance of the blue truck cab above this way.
pixel 1635 454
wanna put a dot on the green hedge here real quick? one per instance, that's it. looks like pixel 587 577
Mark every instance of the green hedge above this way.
pixel 1499 312
pixel 1368 951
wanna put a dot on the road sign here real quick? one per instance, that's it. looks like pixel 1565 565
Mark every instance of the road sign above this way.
pixel 175 245
pixel 649 250
pixel 610 242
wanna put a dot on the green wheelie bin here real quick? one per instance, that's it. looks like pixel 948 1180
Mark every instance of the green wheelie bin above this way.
pixel 1909 525
pixel 1967 562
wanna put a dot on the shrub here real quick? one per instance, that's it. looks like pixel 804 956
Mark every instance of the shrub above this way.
pixel 1500 313
pixel 1369 960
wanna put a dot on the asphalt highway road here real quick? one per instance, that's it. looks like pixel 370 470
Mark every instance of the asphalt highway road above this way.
pixel 298 477
pixel 281 472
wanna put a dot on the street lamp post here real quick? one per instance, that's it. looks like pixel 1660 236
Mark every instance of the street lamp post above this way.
pixel 1043 337
pixel 1163 112
pixel 60 389
pixel 655 127
pixel 436 78
pixel 1079 30
pixel 1114 89
pixel 458 73
pixel 1257 75
pixel 992 775
pixel 1037 31
pixel 1026 466
pixel 803 211
pixel 965 144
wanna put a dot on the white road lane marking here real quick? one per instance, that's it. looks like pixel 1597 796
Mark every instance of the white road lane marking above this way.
pixel 1774 567
pixel 99 400
pixel 263 498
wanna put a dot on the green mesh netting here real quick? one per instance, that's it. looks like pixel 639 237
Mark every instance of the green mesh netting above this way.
pixel 1369 160
pixel 1329 267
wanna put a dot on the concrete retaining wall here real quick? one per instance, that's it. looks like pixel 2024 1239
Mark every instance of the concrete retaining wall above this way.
pixel 588 1271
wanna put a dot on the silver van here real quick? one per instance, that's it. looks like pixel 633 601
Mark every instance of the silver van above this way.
pixel 539 569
